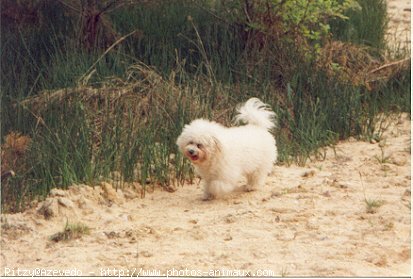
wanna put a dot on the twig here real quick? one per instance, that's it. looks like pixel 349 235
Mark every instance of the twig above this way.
pixel 390 65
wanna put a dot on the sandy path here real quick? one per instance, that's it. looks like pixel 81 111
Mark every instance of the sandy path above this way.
pixel 306 221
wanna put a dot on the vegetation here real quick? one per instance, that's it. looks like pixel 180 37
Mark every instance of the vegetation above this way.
pixel 83 100
pixel 70 232
pixel 373 205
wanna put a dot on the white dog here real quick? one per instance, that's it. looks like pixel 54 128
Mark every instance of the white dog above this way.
pixel 222 156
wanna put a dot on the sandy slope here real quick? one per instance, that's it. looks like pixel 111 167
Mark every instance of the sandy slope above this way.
pixel 306 221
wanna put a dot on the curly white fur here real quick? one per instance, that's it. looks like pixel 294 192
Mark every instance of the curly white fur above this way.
pixel 222 156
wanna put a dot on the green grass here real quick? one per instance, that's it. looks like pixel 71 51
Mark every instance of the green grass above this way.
pixel 71 231
pixel 373 205
pixel 184 62
pixel 365 26
pixel 383 158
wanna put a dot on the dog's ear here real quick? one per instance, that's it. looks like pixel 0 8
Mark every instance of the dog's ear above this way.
pixel 217 144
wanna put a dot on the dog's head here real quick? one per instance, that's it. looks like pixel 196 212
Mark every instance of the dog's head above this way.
pixel 198 141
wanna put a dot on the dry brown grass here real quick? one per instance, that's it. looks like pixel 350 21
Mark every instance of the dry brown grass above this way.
pixel 13 151
pixel 354 63
pixel 13 162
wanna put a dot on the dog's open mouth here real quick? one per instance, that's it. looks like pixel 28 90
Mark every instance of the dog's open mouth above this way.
pixel 193 157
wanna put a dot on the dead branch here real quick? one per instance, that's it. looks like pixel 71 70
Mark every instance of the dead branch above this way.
pixel 388 65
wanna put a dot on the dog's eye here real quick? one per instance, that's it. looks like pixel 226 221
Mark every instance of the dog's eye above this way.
pixel 191 142
pixel 199 145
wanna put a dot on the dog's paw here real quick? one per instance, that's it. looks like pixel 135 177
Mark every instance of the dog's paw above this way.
pixel 249 188
pixel 208 197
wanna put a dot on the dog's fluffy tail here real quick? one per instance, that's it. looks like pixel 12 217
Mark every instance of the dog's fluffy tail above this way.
pixel 255 112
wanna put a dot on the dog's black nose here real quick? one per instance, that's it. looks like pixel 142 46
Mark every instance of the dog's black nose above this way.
pixel 191 151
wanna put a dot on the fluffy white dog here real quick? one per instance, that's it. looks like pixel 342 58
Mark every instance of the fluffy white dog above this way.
pixel 222 156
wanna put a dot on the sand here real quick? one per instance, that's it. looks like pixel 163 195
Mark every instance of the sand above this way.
pixel 399 12
pixel 306 221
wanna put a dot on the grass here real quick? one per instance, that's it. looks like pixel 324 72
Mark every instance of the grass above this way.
pixel 382 159
pixel 284 272
pixel 365 26
pixel 372 205
pixel 71 231
pixel 93 114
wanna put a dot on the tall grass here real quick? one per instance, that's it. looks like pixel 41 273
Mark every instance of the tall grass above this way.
pixel 365 25
pixel 183 62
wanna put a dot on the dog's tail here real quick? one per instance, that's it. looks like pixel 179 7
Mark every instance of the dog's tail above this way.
pixel 255 112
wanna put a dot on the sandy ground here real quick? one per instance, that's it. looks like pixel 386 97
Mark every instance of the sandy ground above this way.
pixel 399 12
pixel 310 220
pixel 306 221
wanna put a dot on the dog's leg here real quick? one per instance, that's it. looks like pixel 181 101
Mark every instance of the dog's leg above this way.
pixel 209 191
pixel 216 188
pixel 207 196
pixel 255 180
